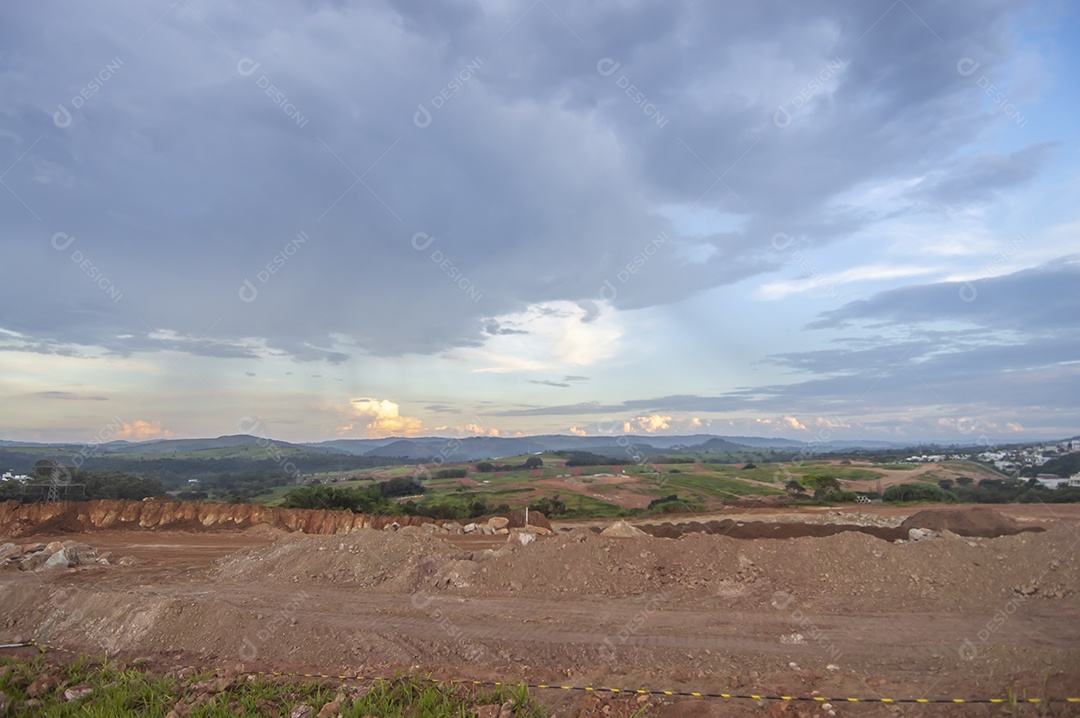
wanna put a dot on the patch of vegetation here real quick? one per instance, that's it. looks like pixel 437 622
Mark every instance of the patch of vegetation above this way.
pixel 112 689
pixel 718 486
pixel 583 458
pixel 919 492
pixel 1004 491
pixel 670 504
pixel 837 497
pixel 533 462
pixel 662 459
pixel 260 467
pixel 371 500
pixel 79 485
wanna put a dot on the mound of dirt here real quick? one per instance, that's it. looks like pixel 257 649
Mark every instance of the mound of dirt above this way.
pixel 364 558
pixel 966 522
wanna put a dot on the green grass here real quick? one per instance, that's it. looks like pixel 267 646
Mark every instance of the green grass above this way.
pixel 122 691
pixel 897 467
pixel 714 486
pixel 579 505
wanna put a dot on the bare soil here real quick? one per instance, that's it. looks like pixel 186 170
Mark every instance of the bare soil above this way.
pixel 847 614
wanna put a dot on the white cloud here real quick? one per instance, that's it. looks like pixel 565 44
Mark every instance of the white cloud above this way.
pixel 553 337
pixel 822 281
pixel 386 418
pixel 140 430
pixel 656 423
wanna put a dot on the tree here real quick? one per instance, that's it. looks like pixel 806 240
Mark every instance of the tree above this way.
pixel 401 486
pixel 793 487
pixel 945 484
pixel 485 467
pixel 533 462
pixel 964 480
pixel 549 507
pixel 826 485
pixel 919 492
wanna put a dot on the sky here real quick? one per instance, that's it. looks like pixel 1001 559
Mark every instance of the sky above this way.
pixel 818 220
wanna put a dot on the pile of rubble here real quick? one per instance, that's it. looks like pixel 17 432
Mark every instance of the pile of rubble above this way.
pixel 42 556
pixel 861 519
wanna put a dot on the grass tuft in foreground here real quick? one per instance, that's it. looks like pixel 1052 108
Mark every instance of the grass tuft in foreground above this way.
pixel 90 688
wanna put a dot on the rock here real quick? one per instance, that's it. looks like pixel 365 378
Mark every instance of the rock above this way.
pixel 489 711
pixel 42 684
pixel 498 522
pixel 302 711
pixel 621 529
pixel 917 535
pixel 507 710
pixel 502 531
pixel 523 537
pixel 832 667
pixel 33 547
pixel 58 560
pixel 77 692
pixel 333 708
pixel 10 550
pixel 34 561
pixel 53 547
pixel 469 528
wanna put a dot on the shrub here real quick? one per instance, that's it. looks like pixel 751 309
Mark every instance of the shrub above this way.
pixel 919 492
pixel 839 497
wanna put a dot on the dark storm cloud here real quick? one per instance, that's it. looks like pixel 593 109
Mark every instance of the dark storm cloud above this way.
pixel 233 173
pixel 1043 299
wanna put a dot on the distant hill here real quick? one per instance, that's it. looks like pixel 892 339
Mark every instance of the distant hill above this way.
pixel 719 445
pixel 470 448
pixel 171 446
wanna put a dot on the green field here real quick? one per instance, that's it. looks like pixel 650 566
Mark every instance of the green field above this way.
pixel 708 486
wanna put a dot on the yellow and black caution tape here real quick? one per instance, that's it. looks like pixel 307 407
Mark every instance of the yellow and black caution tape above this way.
pixel 44 647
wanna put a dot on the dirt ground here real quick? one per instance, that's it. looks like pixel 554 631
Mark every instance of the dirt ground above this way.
pixel 845 615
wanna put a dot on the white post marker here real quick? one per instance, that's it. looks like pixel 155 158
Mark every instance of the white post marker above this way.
pixel 526 515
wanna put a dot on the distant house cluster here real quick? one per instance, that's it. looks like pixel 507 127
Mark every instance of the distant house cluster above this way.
pixel 1053 481
pixel 1011 461
pixel 8 476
